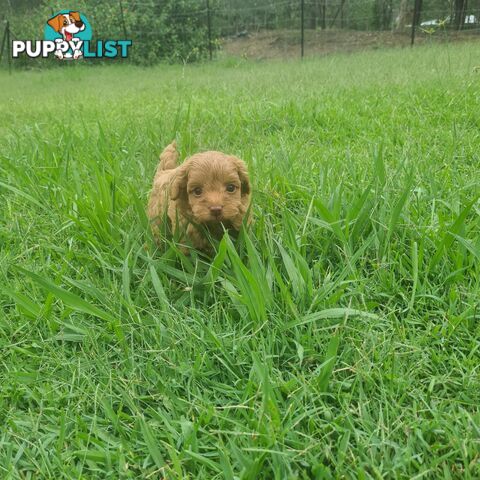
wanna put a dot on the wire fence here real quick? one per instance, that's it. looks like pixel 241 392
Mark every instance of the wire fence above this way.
pixel 286 28
pixel 305 28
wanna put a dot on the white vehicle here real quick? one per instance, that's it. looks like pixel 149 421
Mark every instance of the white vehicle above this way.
pixel 469 20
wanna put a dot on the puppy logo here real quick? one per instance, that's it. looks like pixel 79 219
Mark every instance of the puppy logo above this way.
pixel 68 36
pixel 68 28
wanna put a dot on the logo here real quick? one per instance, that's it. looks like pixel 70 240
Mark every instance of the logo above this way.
pixel 68 36
pixel 68 29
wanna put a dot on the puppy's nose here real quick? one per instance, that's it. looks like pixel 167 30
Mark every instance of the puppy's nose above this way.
pixel 216 210
pixel 79 24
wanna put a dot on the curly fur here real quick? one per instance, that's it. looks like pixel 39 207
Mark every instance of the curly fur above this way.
pixel 210 192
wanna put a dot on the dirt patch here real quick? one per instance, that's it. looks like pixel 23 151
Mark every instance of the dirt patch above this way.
pixel 286 43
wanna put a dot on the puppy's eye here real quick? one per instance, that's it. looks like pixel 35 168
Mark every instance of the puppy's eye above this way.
pixel 197 191
pixel 231 187
pixel 65 22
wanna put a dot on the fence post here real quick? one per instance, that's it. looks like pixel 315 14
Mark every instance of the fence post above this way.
pixel 324 9
pixel 416 19
pixel 9 56
pixel 122 19
pixel 209 30
pixel 302 21
pixel 2 47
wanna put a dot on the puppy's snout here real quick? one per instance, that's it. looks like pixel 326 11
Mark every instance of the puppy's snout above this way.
pixel 79 24
pixel 216 210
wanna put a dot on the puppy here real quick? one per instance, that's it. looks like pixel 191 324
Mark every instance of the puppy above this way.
pixel 67 25
pixel 210 192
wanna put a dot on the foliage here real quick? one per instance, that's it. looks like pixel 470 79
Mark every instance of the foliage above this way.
pixel 234 16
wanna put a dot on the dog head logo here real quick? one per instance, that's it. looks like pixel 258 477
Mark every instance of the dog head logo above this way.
pixel 67 24
pixel 68 28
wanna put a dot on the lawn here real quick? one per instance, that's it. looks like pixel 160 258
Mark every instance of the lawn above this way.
pixel 340 336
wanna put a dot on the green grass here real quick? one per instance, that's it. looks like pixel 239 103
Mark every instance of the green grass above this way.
pixel 339 339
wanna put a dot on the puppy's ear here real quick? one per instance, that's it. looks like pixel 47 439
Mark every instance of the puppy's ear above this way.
pixel 178 190
pixel 243 175
pixel 76 16
pixel 56 22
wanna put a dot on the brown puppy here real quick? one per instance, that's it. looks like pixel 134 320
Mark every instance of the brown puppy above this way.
pixel 210 192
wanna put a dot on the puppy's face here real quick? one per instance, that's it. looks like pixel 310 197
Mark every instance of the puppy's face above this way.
pixel 212 188
pixel 67 24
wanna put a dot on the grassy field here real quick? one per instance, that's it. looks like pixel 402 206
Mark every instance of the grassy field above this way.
pixel 339 339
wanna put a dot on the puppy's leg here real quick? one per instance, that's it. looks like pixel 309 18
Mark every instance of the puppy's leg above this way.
pixel 197 238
